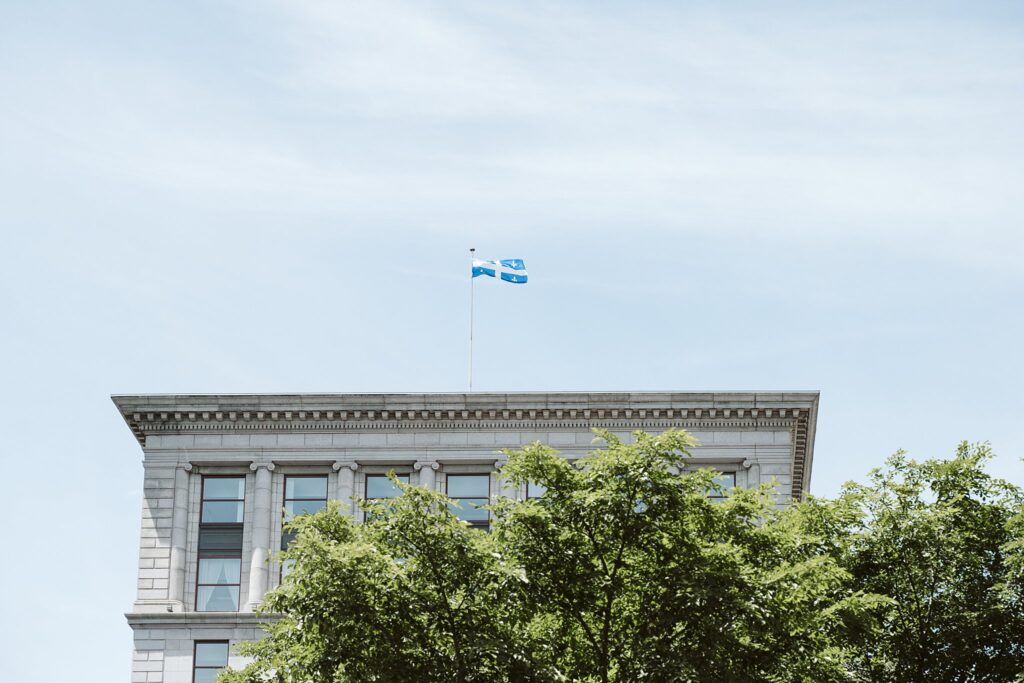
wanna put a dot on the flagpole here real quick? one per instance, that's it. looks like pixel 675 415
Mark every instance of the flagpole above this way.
pixel 472 279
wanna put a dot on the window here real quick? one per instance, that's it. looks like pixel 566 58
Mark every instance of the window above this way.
pixel 303 495
pixel 725 480
pixel 208 659
pixel 380 487
pixel 471 491
pixel 220 544
pixel 534 490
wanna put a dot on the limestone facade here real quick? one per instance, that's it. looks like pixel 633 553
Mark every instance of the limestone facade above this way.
pixel 760 437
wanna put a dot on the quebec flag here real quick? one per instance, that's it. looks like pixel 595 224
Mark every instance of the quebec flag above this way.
pixel 509 269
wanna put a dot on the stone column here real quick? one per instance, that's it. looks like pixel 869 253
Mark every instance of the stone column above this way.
pixel 261 522
pixel 753 473
pixel 346 484
pixel 179 535
pixel 426 469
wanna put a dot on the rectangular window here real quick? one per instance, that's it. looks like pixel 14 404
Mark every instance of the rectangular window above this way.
pixel 725 480
pixel 471 491
pixel 219 575
pixel 534 490
pixel 380 487
pixel 209 658
pixel 303 495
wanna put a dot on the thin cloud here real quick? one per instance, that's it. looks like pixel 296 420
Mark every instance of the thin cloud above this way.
pixel 804 128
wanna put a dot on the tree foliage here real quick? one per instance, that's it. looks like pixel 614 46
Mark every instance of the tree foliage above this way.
pixel 625 570
pixel 642 576
pixel 941 539
pixel 411 595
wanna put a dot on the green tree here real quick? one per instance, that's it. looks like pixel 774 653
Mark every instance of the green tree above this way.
pixel 639 575
pixel 624 570
pixel 941 539
pixel 410 595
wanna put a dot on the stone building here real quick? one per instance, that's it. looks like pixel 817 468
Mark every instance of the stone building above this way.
pixel 219 471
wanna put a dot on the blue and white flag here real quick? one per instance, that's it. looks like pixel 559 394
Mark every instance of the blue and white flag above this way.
pixel 509 269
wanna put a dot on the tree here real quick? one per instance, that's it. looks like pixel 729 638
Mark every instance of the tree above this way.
pixel 411 595
pixel 638 575
pixel 624 570
pixel 942 540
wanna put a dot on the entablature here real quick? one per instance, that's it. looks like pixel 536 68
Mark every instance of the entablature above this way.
pixel 155 414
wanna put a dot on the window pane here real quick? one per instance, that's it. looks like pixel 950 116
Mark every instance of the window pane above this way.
pixel 286 568
pixel 206 675
pixel 286 538
pixel 217 599
pixel 220 541
pixel 470 510
pixel 220 570
pixel 379 486
pixel 305 487
pixel 224 487
pixel 223 512
pixel 726 480
pixel 211 654
pixel 534 490
pixel 469 486
pixel 303 507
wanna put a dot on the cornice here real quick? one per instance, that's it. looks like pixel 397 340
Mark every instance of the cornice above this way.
pixel 287 412
pixel 194 619
pixel 150 414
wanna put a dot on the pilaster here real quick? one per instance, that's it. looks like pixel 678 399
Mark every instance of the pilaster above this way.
pixel 427 470
pixel 179 535
pixel 261 523
pixel 753 473
pixel 346 484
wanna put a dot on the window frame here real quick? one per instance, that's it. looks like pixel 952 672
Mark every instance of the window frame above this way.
pixel 283 568
pixel 204 499
pixel 285 499
pixel 715 495
pixel 225 555
pixel 227 585
pixel 534 497
pixel 372 475
pixel 484 525
pixel 195 656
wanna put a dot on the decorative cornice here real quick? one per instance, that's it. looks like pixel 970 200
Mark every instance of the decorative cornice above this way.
pixel 143 424
pixel 150 414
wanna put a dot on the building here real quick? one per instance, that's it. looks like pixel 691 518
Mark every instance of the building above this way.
pixel 220 469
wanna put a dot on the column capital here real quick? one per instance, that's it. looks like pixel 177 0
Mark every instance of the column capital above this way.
pixel 350 465
pixel 187 466
pixel 432 464
pixel 747 464
pixel 499 463
pixel 269 465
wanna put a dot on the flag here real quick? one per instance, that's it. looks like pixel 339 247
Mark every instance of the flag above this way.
pixel 509 269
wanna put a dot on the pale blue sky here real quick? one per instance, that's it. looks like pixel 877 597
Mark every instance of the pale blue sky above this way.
pixel 279 196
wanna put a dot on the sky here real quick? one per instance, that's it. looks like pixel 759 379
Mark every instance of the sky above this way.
pixel 268 196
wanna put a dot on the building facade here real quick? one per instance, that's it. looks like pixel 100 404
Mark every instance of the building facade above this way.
pixel 220 472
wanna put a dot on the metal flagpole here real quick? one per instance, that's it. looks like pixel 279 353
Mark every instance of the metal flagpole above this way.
pixel 472 252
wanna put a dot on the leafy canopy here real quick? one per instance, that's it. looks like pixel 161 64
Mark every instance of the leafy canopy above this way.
pixel 942 540
pixel 625 570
